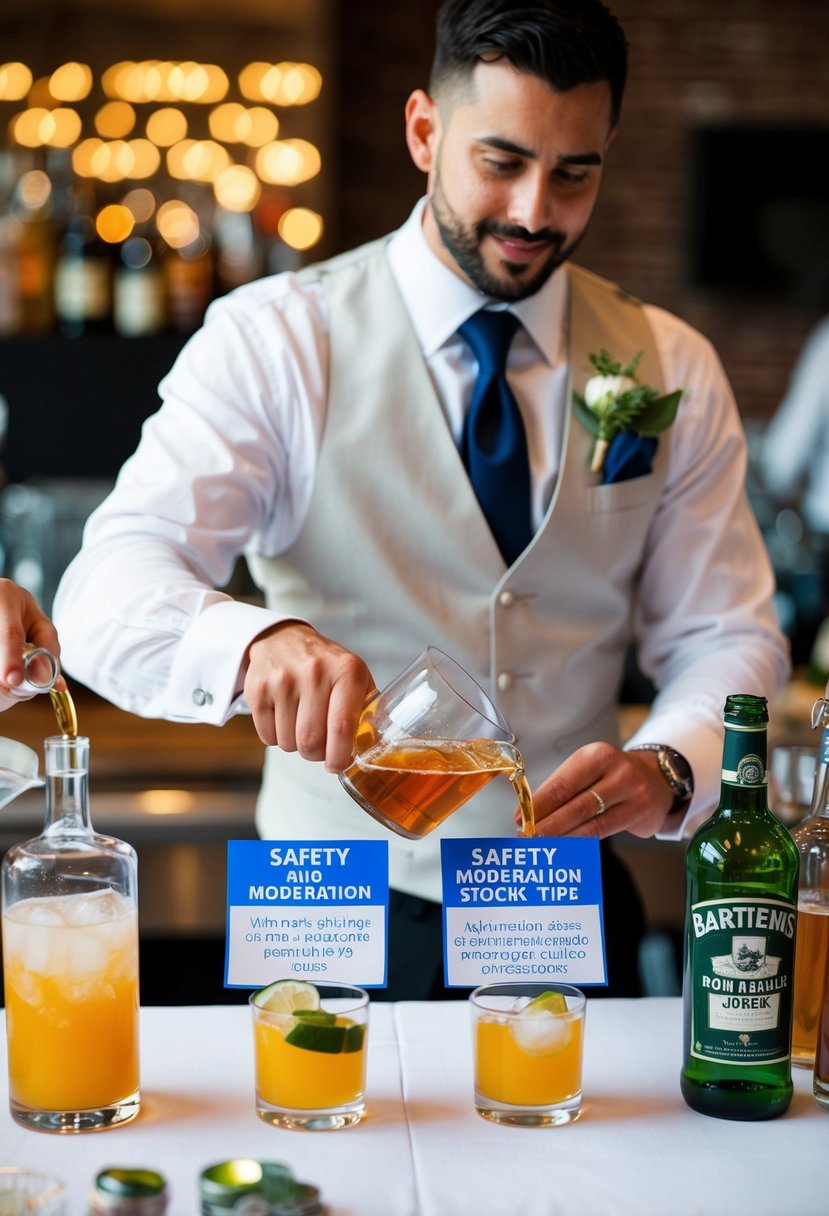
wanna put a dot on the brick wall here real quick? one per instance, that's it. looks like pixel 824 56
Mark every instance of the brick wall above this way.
pixel 692 62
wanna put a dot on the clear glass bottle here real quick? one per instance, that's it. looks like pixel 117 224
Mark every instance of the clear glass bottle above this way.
pixel 741 874
pixel 70 957
pixel 812 943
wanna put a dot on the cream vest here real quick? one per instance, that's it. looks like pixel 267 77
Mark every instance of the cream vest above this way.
pixel 396 555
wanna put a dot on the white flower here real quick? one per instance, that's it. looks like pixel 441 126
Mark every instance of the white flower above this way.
pixel 600 392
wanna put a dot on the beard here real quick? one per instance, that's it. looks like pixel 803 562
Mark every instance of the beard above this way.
pixel 463 243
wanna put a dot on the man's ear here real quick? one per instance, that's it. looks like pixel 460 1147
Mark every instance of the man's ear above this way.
pixel 422 130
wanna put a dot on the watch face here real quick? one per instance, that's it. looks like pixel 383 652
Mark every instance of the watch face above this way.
pixel 676 769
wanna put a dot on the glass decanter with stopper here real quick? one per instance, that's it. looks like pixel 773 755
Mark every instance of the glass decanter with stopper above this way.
pixel 812 943
pixel 70 957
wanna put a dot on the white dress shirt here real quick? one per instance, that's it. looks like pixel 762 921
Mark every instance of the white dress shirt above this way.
pixel 228 463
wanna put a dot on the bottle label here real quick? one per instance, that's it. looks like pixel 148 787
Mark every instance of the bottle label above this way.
pixel 742 963
pixel 744 757
pixel 82 289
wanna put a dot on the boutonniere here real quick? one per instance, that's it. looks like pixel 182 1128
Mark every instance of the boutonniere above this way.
pixel 615 401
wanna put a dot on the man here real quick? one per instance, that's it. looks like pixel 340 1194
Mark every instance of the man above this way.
pixel 317 422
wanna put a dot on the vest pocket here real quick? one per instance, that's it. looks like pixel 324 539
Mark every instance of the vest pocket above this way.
pixel 622 495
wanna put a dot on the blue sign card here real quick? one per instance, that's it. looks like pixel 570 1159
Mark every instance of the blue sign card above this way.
pixel 522 909
pixel 306 909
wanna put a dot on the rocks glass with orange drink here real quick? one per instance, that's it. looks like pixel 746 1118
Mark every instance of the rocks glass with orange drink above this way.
pixel 310 1049
pixel 427 743
pixel 528 1042
pixel 70 956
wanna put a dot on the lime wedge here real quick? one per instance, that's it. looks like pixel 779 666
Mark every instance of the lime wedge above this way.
pixel 334 1036
pixel 287 996
pixel 547 1002
pixel 316 1036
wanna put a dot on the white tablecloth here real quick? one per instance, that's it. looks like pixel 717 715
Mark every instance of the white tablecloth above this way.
pixel 636 1151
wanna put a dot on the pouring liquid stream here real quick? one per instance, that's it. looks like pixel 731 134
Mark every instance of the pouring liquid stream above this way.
pixel 65 712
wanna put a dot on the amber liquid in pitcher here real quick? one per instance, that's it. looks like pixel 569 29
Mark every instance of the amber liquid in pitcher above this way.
pixel 413 786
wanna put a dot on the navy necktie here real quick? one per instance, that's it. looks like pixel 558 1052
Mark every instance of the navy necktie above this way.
pixel 493 443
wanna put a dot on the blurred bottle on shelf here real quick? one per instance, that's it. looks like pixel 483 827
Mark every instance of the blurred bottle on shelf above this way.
pixel 83 275
pixel 812 940
pixel 33 234
pixel 139 291
pixel 189 283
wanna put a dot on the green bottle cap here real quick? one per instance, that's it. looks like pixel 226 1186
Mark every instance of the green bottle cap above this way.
pixel 742 709
pixel 130 1183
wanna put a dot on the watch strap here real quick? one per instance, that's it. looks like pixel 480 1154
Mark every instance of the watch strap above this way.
pixel 675 769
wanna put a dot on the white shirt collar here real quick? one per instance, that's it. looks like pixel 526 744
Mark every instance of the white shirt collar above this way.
pixel 438 300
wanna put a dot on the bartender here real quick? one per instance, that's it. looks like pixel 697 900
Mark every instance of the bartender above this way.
pixel 391 439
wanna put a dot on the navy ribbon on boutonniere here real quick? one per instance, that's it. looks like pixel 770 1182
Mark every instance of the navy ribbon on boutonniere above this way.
pixel 625 417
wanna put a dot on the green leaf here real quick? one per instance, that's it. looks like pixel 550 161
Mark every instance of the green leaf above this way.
pixel 659 414
pixel 585 415
pixel 606 365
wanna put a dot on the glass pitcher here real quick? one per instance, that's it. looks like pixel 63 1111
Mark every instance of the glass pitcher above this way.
pixel 70 957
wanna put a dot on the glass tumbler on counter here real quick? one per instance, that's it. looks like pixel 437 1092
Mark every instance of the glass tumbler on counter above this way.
pixel 528 1044
pixel 310 1052
pixel 70 957
pixel 25 1192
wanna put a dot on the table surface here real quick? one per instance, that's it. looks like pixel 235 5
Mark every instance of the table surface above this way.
pixel 423 1151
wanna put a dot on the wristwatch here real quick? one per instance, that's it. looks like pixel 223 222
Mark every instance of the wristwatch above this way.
pixel 675 769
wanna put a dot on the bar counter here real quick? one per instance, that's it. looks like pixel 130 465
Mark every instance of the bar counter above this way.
pixel 637 1150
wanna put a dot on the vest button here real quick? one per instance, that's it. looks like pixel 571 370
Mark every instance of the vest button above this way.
pixel 200 697
pixel 504 681
pixel 506 599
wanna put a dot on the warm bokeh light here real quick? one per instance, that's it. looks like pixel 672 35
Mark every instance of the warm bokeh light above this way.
pixel 282 84
pixel 111 76
pixel 141 202
pixel 177 223
pixel 197 160
pixel 114 223
pixel 250 80
pixel 34 189
pixel 146 158
pixel 40 95
pixel 291 84
pixel 71 82
pixel 15 81
pixel 167 802
pixel 83 157
pixel 198 82
pixel 300 228
pixel 62 128
pixel 288 162
pixel 24 128
pixel 237 188
pixel 115 119
pixel 166 127
pixel 237 124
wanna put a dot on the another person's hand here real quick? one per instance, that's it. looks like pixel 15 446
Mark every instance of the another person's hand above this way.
pixel 22 620
pixel 306 692
pixel 599 791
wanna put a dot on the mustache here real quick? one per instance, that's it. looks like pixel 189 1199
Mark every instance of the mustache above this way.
pixel 515 232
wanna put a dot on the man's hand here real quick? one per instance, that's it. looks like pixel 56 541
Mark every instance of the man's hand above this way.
pixel 22 620
pixel 599 791
pixel 306 693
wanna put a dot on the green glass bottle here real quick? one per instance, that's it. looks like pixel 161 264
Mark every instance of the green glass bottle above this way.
pixel 741 890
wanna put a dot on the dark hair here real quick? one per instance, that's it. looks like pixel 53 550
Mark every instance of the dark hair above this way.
pixel 564 42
